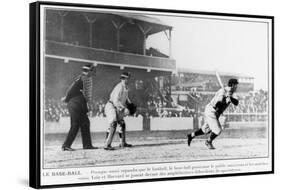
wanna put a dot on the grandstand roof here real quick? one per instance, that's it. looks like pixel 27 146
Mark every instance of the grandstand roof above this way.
pixel 133 18
pixel 158 24
pixel 206 72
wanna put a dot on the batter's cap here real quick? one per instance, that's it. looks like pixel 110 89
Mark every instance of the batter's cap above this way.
pixel 232 82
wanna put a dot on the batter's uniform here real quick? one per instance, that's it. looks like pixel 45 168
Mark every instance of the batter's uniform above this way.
pixel 77 98
pixel 214 109
pixel 114 111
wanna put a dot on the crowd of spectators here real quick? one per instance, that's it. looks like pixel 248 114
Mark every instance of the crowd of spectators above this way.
pixel 55 109
pixel 253 102
pixel 162 105
pixel 98 109
pixel 251 106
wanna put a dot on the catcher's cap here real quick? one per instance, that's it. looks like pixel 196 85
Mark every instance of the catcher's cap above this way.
pixel 232 82
pixel 87 68
pixel 125 75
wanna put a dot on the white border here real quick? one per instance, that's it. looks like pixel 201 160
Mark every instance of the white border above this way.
pixel 86 172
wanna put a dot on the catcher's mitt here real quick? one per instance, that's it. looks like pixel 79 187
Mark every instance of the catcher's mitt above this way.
pixel 132 108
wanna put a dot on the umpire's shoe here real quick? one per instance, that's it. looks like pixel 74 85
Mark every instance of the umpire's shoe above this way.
pixel 124 145
pixel 209 144
pixel 90 147
pixel 189 139
pixel 65 148
pixel 108 148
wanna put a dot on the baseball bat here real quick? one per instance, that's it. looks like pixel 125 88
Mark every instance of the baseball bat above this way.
pixel 219 79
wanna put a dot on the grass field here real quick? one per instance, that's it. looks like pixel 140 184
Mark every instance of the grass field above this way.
pixel 155 147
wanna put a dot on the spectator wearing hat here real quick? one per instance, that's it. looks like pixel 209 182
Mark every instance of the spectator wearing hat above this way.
pixel 116 110
pixel 78 98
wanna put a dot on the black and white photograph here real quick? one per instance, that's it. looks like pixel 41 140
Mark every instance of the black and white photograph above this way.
pixel 135 94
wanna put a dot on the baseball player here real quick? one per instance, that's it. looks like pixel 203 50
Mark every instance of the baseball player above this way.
pixel 213 110
pixel 115 110
pixel 78 99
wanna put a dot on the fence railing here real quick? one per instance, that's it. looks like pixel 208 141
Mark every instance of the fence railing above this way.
pixel 246 117
pixel 79 53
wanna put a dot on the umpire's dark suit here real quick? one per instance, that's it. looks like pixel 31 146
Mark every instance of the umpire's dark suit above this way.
pixel 77 106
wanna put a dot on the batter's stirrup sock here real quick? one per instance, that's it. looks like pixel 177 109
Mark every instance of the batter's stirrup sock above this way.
pixel 197 133
pixel 120 135
pixel 212 137
pixel 106 135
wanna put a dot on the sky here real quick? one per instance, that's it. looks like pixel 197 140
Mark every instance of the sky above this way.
pixel 215 44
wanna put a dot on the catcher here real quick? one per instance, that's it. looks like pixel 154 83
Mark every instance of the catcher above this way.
pixel 213 110
pixel 116 109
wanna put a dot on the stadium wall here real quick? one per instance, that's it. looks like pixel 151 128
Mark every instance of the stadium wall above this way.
pixel 249 124
pixel 174 123
pixel 99 124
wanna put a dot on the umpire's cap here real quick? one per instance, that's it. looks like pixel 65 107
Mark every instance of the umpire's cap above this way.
pixel 87 68
pixel 125 75
pixel 232 82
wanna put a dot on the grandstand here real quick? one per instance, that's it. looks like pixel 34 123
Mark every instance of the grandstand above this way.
pixel 188 83
pixel 202 80
pixel 113 42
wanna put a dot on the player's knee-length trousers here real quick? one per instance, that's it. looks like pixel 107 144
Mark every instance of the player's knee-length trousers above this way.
pixel 211 121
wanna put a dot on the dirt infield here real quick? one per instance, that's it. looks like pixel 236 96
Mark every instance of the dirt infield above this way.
pixel 156 147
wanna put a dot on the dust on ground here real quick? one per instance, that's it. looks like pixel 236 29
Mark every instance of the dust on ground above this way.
pixel 152 150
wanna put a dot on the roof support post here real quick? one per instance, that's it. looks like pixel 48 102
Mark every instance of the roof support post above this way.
pixel 62 15
pixel 144 32
pixel 144 44
pixel 91 21
pixel 118 25
pixel 169 36
pixel 170 43
pixel 118 39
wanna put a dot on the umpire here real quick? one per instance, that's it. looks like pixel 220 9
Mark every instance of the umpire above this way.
pixel 78 99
